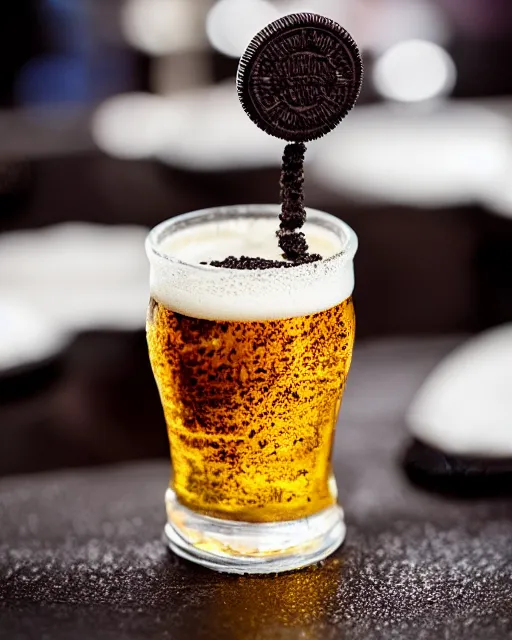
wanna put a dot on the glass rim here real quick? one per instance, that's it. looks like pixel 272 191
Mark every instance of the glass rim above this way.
pixel 163 229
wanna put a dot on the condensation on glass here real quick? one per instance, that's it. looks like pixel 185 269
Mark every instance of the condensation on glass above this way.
pixel 251 367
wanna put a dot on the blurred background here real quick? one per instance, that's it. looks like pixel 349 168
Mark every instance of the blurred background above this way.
pixel 117 114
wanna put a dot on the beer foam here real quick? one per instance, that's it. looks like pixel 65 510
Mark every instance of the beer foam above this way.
pixel 177 248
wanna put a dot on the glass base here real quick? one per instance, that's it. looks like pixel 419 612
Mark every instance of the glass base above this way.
pixel 246 547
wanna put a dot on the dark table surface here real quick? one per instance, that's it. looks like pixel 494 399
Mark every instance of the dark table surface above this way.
pixel 81 552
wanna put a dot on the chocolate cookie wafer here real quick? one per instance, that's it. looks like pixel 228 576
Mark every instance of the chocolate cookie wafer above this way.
pixel 299 77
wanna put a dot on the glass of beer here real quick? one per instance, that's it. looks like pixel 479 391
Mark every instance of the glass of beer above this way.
pixel 251 366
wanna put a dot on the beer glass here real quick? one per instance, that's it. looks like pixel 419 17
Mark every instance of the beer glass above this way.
pixel 251 366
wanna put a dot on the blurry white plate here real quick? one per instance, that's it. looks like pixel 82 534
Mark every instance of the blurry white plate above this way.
pixel 465 406
pixel 203 129
pixel 26 337
pixel 63 279
pixel 432 156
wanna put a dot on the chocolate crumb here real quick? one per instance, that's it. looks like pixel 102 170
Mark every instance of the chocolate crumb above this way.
pixel 292 217
pixel 293 244
pixel 253 264
pixel 293 213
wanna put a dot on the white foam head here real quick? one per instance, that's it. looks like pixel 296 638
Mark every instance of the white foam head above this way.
pixel 178 280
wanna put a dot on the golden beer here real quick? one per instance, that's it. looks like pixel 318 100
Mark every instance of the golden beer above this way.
pixel 251 409
pixel 251 367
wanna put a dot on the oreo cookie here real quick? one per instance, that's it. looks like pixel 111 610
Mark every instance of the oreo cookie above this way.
pixel 299 77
